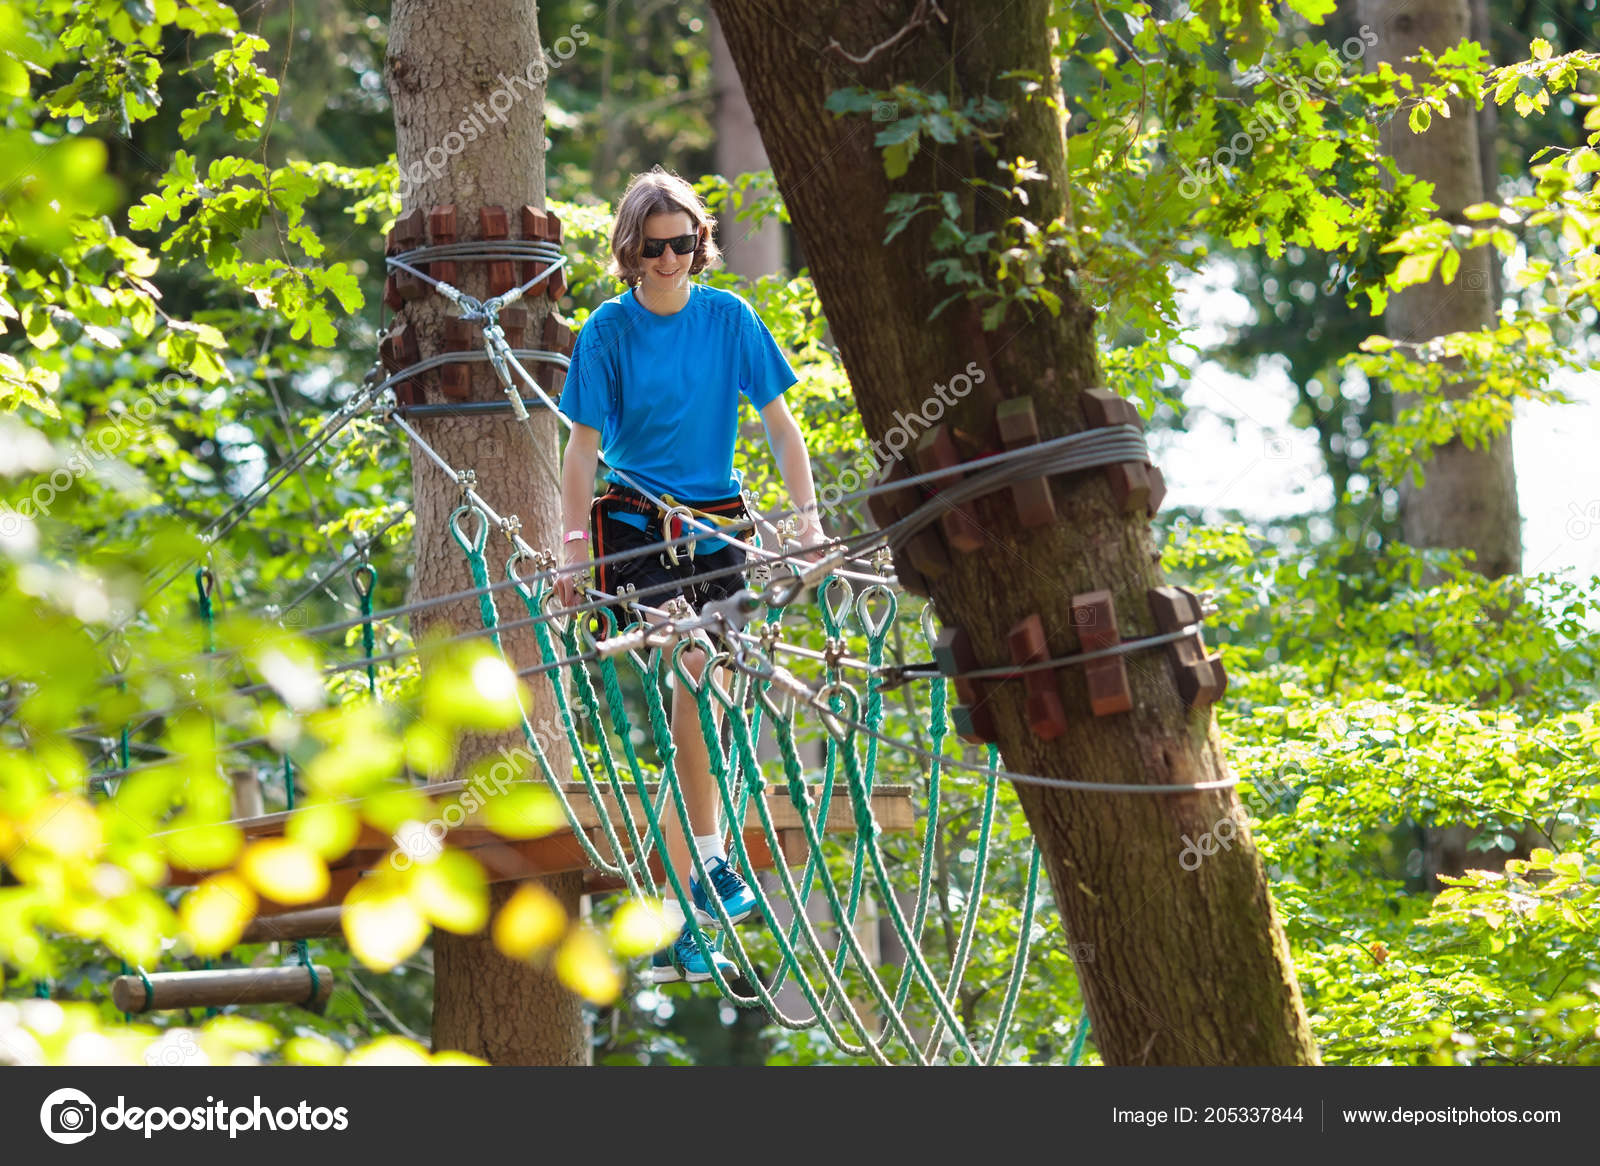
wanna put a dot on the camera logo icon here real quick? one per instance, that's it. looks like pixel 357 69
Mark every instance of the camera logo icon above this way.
pixel 68 1116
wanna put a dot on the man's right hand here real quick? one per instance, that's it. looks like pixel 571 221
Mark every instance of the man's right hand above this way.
pixel 575 555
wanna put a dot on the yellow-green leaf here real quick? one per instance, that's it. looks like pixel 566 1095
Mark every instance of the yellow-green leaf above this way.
pixel 452 892
pixel 381 924
pixel 328 829
pixel 284 870
pixel 216 913
pixel 530 923
pixel 583 965
pixel 639 928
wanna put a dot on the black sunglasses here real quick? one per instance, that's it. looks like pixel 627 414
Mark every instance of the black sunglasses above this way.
pixel 681 245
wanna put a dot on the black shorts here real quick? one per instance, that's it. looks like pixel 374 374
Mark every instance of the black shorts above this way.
pixel 647 572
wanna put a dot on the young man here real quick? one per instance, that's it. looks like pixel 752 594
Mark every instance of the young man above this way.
pixel 655 380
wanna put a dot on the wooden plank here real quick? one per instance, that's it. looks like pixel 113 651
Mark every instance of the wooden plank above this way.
pixel 509 859
pixel 891 807
pixel 220 988
pixel 316 923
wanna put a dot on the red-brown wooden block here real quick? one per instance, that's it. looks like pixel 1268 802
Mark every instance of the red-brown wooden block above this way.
pixel 557 337
pixel 408 234
pixel 1130 486
pixel 514 323
pixel 493 225
pixel 442 229
pixel 1200 677
pixel 398 351
pixel 936 450
pixel 1094 617
pixel 391 291
pixel 924 556
pixel 556 286
pixel 1158 490
pixel 1017 425
pixel 1027 644
pixel 535 226
pixel 973 720
pixel 1102 407
pixel 1136 486
pixel 455 380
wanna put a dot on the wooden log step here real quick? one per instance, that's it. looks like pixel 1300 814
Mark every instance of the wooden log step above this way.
pixel 220 988
pixel 317 923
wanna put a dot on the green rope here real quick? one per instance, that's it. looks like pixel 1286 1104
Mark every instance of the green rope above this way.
pixel 744 743
pixel 764 994
pixel 1020 964
pixel 204 583
pixel 650 673
pixel 622 725
pixel 368 642
pixel 474 550
pixel 591 708
pixel 1079 1039
pixel 938 728
pixel 867 828
pixel 814 857
pixel 969 918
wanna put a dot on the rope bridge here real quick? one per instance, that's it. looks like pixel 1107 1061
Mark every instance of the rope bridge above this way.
pixel 616 807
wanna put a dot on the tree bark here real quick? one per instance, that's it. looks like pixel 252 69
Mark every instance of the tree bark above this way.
pixel 1177 967
pixel 449 61
pixel 748 253
pixel 1469 496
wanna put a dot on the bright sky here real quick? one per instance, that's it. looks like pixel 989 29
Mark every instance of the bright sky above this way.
pixel 1260 465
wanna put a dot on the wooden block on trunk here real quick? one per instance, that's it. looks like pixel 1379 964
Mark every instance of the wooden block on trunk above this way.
pixel 1018 426
pixel 408 234
pixel 924 557
pixel 1046 716
pixel 442 229
pixel 514 323
pixel 1136 487
pixel 493 225
pixel 455 380
pixel 1094 617
pixel 936 450
pixel 1200 677
pixel 557 335
pixel 973 721
pixel 398 350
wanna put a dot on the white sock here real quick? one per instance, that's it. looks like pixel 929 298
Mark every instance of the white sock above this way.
pixel 709 847
pixel 672 911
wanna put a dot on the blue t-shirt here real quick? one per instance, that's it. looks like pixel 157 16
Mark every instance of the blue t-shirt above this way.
pixel 664 390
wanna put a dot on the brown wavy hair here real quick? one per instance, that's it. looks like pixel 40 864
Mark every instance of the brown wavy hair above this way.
pixel 658 192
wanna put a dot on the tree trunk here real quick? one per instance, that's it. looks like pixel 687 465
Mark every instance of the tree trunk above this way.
pixel 1177 966
pixel 748 253
pixel 1469 496
pixel 450 64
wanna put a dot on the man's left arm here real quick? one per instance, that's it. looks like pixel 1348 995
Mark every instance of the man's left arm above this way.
pixel 794 464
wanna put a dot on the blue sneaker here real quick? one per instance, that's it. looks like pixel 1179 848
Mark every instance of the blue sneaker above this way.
pixel 683 961
pixel 735 894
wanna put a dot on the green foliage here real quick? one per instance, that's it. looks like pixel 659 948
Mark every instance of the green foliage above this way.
pixel 172 332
